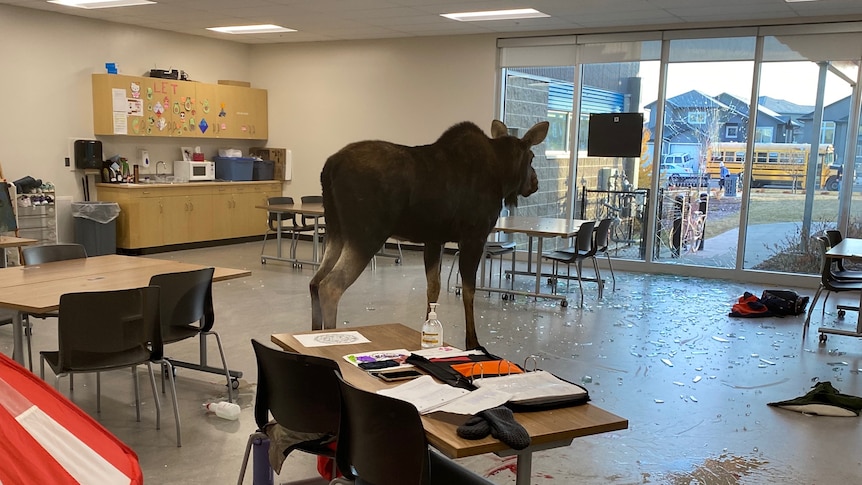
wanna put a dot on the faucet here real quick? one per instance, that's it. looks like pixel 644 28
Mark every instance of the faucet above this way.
pixel 160 162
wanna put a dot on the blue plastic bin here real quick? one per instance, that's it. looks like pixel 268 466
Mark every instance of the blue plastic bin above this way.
pixel 230 168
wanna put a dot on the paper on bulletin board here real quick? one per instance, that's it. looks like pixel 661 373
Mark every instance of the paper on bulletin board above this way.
pixel 121 126
pixel 118 100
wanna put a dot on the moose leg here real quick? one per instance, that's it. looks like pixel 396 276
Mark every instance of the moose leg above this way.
pixel 433 254
pixel 349 266
pixel 471 254
pixel 330 257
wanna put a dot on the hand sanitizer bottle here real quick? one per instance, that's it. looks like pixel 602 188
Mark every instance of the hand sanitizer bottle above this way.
pixel 432 330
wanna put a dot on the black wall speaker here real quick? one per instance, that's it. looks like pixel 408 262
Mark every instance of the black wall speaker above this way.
pixel 615 135
pixel 88 154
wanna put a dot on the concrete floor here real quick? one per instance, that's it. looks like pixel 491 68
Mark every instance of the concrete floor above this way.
pixel 660 351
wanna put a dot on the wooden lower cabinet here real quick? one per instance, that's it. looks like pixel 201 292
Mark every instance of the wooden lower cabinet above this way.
pixel 165 214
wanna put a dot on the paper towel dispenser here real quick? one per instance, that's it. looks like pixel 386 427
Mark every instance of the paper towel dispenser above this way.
pixel 88 154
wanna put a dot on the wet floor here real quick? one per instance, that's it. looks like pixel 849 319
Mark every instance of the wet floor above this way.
pixel 659 351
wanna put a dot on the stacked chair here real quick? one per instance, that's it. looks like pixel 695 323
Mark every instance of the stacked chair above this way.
pixel 833 278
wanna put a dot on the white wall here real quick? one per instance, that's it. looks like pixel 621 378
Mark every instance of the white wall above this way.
pixel 325 95
pixel 321 95
pixel 46 88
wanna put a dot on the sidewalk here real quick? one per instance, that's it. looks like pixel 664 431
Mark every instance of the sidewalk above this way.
pixel 721 248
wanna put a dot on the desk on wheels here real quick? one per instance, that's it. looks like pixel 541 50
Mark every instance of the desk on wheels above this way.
pixel 313 210
pixel 37 288
pixel 536 227
pixel 12 242
pixel 548 429
pixel 849 248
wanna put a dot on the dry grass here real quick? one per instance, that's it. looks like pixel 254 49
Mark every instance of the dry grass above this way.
pixel 771 206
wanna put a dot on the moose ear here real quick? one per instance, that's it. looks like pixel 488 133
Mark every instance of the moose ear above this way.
pixel 498 129
pixel 537 133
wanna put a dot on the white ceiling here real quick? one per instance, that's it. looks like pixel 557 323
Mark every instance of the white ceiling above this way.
pixel 323 20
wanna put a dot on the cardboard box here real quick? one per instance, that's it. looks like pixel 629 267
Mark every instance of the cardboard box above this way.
pixel 228 82
pixel 278 157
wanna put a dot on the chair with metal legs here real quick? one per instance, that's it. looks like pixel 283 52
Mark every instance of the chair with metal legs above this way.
pixel 106 330
pixel 46 253
pixel 272 221
pixel 187 311
pixel 301 392
pixel 583 249
pixel 829 283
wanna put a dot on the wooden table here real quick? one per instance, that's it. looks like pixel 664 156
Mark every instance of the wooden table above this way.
pixel 849 248
pixel 536 227
pixel 12 242
pixel 37 288
pixel 313 210
pixel 547 429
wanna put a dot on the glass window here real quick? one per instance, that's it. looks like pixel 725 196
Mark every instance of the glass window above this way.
pixel 731 131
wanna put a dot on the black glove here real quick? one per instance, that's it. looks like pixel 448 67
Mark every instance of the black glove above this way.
pixel 500 423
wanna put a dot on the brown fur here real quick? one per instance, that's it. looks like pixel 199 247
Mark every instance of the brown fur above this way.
pixel 449 191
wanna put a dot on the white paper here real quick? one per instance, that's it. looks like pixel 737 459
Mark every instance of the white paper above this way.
pixel 120 123
pixel 476 402
pixel 444 352
pixel 425 393
pixel 530 386
pixel 331 338
pixel 118 100
pixel 135 107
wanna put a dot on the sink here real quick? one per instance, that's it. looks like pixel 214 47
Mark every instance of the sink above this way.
pixel 160 179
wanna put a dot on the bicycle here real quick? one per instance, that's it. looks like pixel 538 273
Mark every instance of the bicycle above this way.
pixel 627 218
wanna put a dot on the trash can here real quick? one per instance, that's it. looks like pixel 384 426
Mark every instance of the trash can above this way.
pixel 730 185
pixel 96 226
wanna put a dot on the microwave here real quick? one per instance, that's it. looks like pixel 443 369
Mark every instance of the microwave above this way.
pixel 192 171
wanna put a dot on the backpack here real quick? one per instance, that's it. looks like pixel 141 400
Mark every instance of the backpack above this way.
pixel 784 302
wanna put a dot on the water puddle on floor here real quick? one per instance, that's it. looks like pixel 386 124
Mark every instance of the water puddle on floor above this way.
pixel 724 470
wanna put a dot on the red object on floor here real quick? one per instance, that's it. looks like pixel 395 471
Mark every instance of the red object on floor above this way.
pixel 45 438
pixel 324 464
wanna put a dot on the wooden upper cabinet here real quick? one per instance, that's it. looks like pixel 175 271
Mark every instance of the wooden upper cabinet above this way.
pixel 144 106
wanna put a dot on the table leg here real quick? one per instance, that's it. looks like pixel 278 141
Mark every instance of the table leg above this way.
pixel 538 265
pixel 525 469
pixel 314 250
pixel 18 337
pixel 278 219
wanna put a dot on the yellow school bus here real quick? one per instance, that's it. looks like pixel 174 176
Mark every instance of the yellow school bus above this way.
pixel 778 164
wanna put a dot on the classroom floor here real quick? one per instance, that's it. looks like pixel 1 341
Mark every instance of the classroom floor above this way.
pixel 659 351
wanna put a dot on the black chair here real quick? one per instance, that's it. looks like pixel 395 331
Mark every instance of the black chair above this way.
pixel 46 253
pixel 186 307
pixel 106 330
pixel 306 223
pixel 583 249
pixel 287 221
pixel 602 238
pixel 301 392
pixel 829 283
pixel 381 441
pixel 493 249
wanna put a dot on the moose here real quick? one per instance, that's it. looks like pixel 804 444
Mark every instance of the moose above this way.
pixel 449 191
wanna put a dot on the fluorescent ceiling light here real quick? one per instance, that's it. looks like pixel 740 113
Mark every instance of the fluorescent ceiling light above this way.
pixel 520 13
pixel 251 29
pixel 794 1
pixel 90 4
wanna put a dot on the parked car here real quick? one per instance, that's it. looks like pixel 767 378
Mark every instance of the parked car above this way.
pixel 675 173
